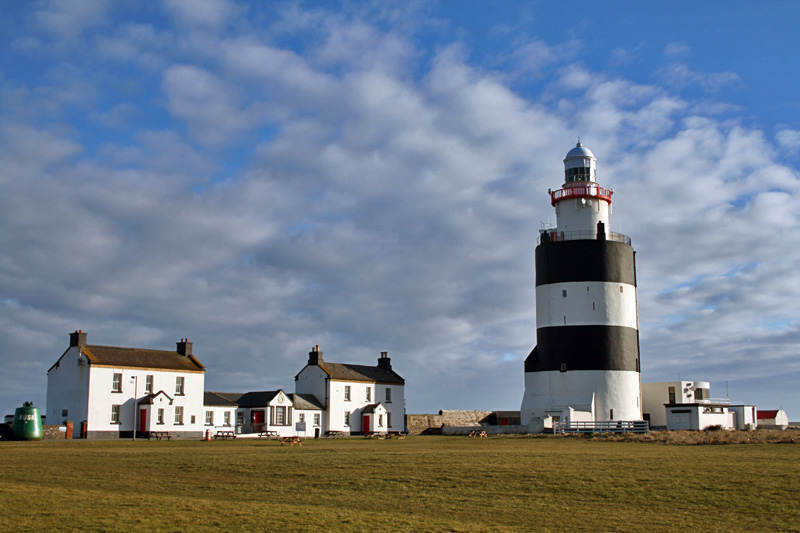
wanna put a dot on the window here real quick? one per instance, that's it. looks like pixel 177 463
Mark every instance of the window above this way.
pixel 672 395
pixel 280 415
pixel 239 418
pixel 388 395
pixel 148 385
pixel 227 418
pixel 620 288
pixel 194 419
pixel 179 385
pixel 369 394
pixel 115 414
pixel 65 412
pixel 209 418
pixel 563 367
pixel 316 419
pixel 178 415
pixel 347 393
pixel 611 414
pixel 116 385
pixel 347 418
pixel 160 416
pixel 388 419
pixel 564 293
pixel 301 418
pixel 380 421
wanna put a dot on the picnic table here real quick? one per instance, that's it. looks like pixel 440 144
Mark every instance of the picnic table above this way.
pixel 158 435
pixel 224 435
pixel 269 434
pixel 335 434
pixel 291 441
pixel 479 434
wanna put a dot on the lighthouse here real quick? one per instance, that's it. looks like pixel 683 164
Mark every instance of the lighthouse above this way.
pixel 585 365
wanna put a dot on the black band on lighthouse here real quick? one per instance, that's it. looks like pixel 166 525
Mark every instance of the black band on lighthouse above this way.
pixel 584 348
pixel 585 260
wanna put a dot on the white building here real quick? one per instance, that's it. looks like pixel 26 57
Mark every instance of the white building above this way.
pixel 688 405
pixel 355 398
pixel 585 365
pixel 773 419
pixel 109 391
pixel 260 411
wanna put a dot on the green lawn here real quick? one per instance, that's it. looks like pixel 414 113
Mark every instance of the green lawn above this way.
pixel 416 484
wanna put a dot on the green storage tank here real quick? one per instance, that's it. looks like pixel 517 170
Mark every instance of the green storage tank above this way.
pixel 27 423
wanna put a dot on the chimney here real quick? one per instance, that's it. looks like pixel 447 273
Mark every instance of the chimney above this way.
pixel 77 339
pixel 384 361
pixel 315 356
pixel 185 347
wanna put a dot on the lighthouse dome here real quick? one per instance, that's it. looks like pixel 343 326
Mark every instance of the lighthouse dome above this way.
pixel 580 151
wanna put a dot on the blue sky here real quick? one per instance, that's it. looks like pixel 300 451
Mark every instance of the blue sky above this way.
pixel 371 176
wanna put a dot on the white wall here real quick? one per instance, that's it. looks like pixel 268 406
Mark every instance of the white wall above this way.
pixel 68 388
pixel 219 418
pixel 594 391
pixel 582 214
pixel 101 398
pixel 656 395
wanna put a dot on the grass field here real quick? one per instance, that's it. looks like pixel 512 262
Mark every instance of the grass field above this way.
pixel 416 484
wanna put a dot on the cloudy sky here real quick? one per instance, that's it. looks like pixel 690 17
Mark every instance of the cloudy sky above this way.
pixel 372 177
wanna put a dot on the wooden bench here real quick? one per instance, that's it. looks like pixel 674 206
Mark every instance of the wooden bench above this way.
pixel 158 435
pixel 334 434
pixel 269 434
pixel 224 435
pixel 291 441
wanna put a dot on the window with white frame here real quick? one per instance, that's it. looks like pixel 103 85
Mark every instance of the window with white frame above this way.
pixel 148 384
pixel 369 394
pixel 388 395
pixel 347 418
pixel 239 418
pixel 227 418
pixel 116 384
pixel 301 418
pixel 115 409
pixel 380 421
pixel 179 385
pixel 280 415
pixel 347 393
pixel 160 419
pixel 316 419
pixel 209 418
pixel 178 415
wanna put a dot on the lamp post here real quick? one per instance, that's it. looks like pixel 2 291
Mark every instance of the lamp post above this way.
pixel 135 381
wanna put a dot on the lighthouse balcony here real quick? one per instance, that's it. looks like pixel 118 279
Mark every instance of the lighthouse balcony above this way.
pixel 554 235
pixel 580 191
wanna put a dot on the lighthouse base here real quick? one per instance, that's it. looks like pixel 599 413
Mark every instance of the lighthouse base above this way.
pixel 579 396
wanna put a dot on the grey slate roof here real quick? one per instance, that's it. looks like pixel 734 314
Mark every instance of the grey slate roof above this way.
pixel 347 372
pixel 215 399
pixel 306 401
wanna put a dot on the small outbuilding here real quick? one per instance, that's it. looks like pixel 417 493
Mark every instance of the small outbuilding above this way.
pixel 775 419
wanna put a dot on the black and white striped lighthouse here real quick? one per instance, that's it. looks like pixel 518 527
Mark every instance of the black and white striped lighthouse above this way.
pixel 585 366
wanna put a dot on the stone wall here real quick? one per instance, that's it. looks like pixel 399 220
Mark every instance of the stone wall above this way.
pixel 490 430
pixel 54 432
pixel 434 424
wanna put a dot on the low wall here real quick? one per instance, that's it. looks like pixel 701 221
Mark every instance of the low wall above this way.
pixel 435 424
pixel 490 430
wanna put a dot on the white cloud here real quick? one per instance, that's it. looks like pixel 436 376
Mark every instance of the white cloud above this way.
pixel 789 140
pixel 212 13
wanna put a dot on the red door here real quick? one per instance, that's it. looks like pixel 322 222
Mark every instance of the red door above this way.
pixel 142 419
pixel 366 425
pixel 257 419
